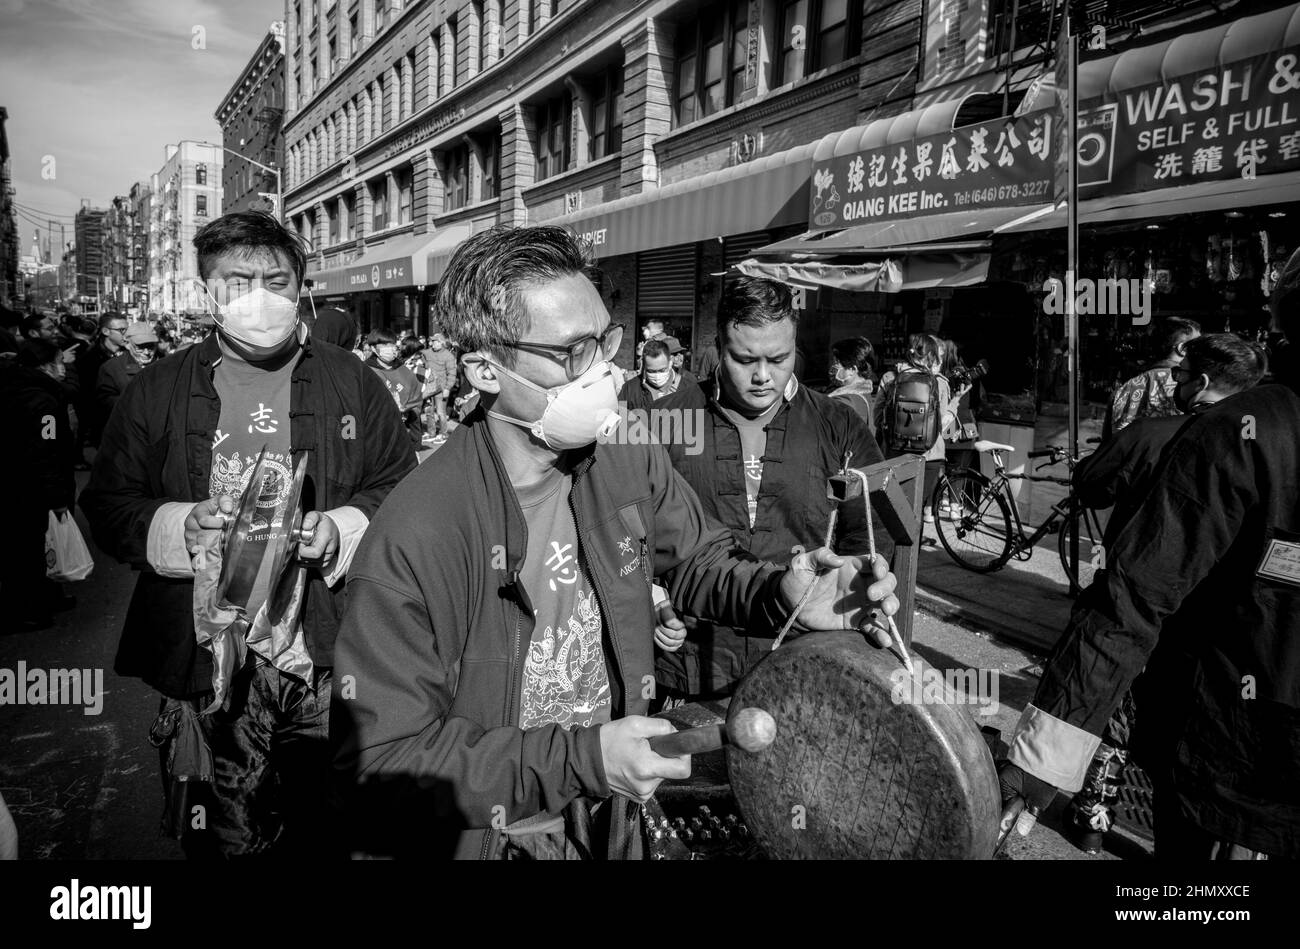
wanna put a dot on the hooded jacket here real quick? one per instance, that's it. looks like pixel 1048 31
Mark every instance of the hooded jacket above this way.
pixel 438 626
pixel 39 471
pixel 157 448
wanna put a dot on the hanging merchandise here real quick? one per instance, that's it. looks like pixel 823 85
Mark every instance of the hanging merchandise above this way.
pixel 1269 278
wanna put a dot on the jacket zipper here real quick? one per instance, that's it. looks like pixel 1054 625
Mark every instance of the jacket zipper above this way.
pixel 605 614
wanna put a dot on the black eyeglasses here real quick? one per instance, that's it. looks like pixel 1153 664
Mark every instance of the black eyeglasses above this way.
pixel 579 356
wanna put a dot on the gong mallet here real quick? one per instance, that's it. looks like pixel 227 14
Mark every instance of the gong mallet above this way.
pixel 750 729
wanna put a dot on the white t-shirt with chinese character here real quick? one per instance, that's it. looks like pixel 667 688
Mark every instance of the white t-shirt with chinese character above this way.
pixel 565 681
pixel 254 413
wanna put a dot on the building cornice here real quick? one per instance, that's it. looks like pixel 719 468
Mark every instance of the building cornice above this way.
pixel 262 64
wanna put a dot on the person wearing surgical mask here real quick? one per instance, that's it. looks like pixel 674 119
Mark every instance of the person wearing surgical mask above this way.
pixel 177 455
pixel 402 383
pixel 500 614
pixel 658 378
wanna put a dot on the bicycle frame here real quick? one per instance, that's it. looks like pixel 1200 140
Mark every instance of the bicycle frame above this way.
pixel 1061 509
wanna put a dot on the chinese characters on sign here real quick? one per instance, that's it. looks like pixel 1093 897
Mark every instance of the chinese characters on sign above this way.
pixel 993 164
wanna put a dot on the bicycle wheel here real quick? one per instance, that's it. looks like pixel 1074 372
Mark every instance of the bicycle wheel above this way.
pixel 973 522
pixel 1091 554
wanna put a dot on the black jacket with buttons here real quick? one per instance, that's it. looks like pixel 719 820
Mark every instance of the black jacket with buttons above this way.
pixel 157 447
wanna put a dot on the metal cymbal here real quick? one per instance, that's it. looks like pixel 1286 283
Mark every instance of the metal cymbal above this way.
pixel 238 571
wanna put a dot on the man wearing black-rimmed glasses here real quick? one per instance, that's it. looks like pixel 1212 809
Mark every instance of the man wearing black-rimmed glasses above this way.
pixel 109 341
pixel 495 663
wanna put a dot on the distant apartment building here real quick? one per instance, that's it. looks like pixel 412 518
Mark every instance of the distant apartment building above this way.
pixel 250 117
pixel 89 228
pixel 185 195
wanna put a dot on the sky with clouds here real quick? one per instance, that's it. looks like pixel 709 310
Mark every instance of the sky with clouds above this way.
pixel 103 85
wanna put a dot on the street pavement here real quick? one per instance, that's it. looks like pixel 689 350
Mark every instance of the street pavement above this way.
pixel 86 786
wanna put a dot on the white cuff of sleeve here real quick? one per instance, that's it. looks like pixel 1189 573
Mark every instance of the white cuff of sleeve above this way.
pixel 166 544
pixel 352 526
pixel 1055 751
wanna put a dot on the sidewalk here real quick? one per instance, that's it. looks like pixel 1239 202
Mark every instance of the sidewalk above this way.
pixel 1026 602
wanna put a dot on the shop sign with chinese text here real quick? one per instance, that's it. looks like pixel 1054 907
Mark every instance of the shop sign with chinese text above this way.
pixel 1003 163
pixel 1238 120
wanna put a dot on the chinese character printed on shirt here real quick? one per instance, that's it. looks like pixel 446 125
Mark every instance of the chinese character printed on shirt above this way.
pixel 559 562
pixel 263 421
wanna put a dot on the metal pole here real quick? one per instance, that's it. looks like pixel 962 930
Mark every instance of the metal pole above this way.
pixel 1072 266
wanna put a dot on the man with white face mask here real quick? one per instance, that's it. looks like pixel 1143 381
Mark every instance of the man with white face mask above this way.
pixel 175 457
pixel 499 609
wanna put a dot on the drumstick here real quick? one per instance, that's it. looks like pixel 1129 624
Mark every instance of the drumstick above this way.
pixel 750 729
pixel 803 600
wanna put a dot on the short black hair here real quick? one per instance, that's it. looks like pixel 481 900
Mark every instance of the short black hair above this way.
pixel 1231 363
pixel 249 233
pixel 654 347
pixel 381 337
pixel 856 352
pixel 32 322
pixel 1176 330
pixel 480 299
pixel 410 346
pixel 35 353
pixel 754 301
pixel 109 318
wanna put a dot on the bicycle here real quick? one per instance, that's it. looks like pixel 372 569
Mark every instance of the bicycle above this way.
pixel 978 524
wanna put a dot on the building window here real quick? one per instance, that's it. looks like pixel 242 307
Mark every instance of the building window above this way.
pixel 315 75
pixel 297 83
pixel 334 54
pixel 200 174
pixel 453 39
pixel 408 83
pixel 455 178
pixel 711 56
pixel 348 208
pixel 815 34
pixel 491 168
pixel 552 142
pixel 331 211
pixel 404 179
pixel 498 6
pixel 534 11
pixel 201 205
pixel 379 204
pixel 381 14
pixel 606 120
pixel 354 32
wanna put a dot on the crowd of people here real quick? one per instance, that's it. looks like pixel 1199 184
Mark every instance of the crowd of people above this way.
pixel 456 664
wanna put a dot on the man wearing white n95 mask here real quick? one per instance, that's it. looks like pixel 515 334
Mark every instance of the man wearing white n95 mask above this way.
pixel 176 455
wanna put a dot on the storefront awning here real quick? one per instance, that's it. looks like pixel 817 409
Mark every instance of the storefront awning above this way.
pixel 394 264
pixel 759 195
pixel 440 251
pixel 918 271
pixel 882 237
pixel 1189 199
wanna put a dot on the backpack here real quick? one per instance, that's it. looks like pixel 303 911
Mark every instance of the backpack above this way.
pixel 912 414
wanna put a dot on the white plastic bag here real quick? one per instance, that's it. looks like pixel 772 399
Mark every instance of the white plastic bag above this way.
pixel 66 555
